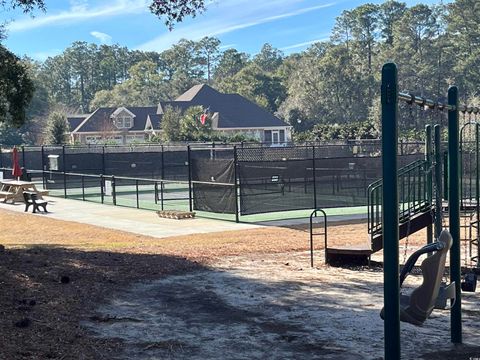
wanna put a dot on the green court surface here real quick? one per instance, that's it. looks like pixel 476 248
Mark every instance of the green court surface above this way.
pixel 175 199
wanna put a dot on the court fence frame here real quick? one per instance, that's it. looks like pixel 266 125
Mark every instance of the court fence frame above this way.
pixel 236 179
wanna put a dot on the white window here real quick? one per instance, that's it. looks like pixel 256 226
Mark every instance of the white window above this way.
pixel 123 122
pixel 275 137
pixel 127 122
pixel 93 139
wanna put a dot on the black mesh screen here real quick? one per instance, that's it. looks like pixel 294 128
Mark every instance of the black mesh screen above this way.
pixel 211 167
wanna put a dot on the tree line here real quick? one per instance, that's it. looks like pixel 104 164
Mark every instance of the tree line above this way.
pixel 335 82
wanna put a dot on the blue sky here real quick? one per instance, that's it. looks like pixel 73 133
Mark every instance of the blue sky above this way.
pixel 290 25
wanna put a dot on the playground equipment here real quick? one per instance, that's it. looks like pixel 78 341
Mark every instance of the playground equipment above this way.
pixel 417 206
pixel 313 216
pixel 391 209
pixel 417 307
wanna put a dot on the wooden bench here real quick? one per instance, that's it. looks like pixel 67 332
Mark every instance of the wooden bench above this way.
pixel 5 195
pixel 175 214
pixel 32 199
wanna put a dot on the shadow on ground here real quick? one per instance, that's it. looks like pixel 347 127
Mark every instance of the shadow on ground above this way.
pixel 59 303
pixel 48 290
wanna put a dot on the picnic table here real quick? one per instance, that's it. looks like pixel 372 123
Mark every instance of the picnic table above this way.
pixel 13 190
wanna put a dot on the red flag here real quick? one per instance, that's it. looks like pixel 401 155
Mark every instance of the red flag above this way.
pixel 17 170
pixel 203 118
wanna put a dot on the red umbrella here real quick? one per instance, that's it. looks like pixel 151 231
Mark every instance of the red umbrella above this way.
pixel 17 170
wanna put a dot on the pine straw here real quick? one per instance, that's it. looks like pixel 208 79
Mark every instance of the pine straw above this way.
pixel 53 274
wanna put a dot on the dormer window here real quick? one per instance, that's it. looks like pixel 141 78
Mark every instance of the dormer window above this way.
pixel 122 118
pixel 123 122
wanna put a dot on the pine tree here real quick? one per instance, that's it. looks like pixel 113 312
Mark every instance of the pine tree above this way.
pixel 56 128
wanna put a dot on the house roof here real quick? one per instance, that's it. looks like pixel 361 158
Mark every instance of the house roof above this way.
pixel 100 119
pixel 74 120
pixel 231 110
pixel 155 121
pixel 235 111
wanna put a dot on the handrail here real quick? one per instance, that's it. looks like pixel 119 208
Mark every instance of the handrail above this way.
pixel 411 202
pixel 312 215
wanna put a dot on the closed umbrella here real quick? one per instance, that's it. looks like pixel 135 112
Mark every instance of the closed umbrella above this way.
pixel 17 170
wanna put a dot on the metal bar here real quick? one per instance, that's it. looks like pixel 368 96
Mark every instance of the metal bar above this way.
pixel 429 182
pixel 454 213
pixel 445 175
pixel 114 191
pixel 477 187
pixel 438 179
pixel 102 192
pixel 64 172
pixel 389 100
pixel 418 100
pixel 314 212
pixel 235 189
pixel 163 163
pixel 190 199
pixel 44 180
pixel 314 179
pixel 162 188
pixel 23 156
pixel 136 193
pixel 103 159
pixel 155 191
pixel 83 188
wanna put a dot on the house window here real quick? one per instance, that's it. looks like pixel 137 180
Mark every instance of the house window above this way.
pixel 93 139
pixel 123 122
pixel 268 136
pixel 275 137
pixel 282 136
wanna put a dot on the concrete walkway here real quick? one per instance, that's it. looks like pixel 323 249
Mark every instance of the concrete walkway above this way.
pixel 132 220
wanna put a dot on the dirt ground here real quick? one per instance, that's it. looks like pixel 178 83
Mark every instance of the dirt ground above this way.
pixel 69 289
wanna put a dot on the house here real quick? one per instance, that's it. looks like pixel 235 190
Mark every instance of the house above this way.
pixel 230 113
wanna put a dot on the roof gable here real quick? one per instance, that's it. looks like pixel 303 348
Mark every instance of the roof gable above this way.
pixel 199 93
pixel 120 110
pixel 101 119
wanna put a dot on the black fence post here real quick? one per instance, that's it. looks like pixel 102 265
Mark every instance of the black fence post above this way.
pixel 64 157
pixel 136 192
pixel 83 187
pixel 314 179
pixel 114 192
pixel 102 189
pixel 190 192
pixel 23 156
pixel 1 157
pixel 163 164
pixel 161 195
pixel 103 159
pixel 44 180
pixel 235 175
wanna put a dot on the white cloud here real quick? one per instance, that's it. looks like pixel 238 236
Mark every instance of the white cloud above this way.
pixel 302 44
pixel 227 46
pixel 102 37
pixel 230 16
pixel 80 11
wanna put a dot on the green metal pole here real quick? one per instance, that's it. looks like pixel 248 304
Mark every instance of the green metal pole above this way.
pixel 429 179
pixel 445 175
pixel 438 179
pixel 477 186
pixel 391 285
pixel 454 212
